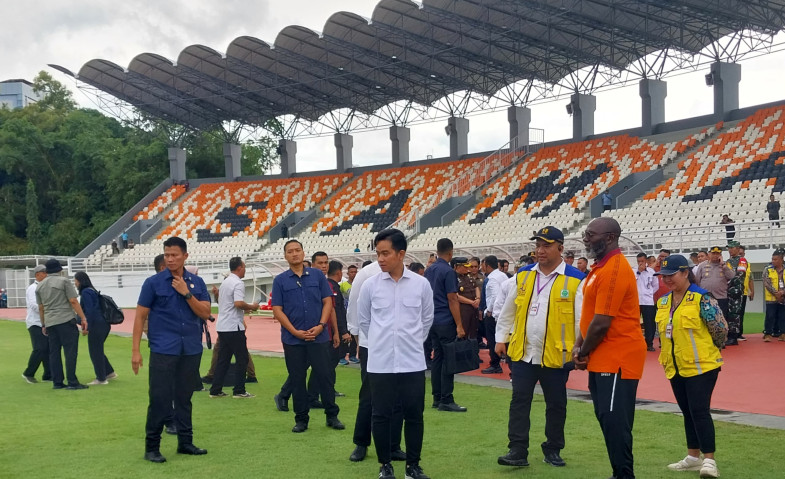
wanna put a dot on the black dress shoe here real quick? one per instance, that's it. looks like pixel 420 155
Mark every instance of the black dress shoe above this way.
pixel 251 380
pixel 171 429
pixel 316 405
pixel 398 455
pixel 358 454
pixel 190 449
pixel 435 404
pixel 493 370
pixel 451 407
pixel 300 427
pixel 207 380
pixel 58 386
pixel 732 342
pixel 281 404
pixel 554 459
pixel 74 387
pixel 335 423
pixel 514 458
pixel 154 456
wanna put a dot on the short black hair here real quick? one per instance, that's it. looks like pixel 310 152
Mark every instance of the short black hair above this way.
pixel 334 267
pixel 176 241
pixel 587 259
pixel 694 254
pixel 665 250
pixel 158 263
pixel 742 248
pixel 650 257
pixel 235 263
pixel 443 246
pixel 307 263
pixel 291 241
pixel 502 262
pixel 367 262
pixel 474 258
pixel 351 266
pixel 779 252
pixel 491 261
pixel 641 255
pixel 416 267
pixel 316 255
pixel 396 238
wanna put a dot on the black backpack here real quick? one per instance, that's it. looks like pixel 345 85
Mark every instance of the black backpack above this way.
pixel 109 309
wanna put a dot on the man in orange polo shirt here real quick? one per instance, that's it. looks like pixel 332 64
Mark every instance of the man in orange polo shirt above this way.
pixel 611 345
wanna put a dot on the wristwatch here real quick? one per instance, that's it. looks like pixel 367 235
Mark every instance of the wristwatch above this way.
pixel 323 325
pixel 188 296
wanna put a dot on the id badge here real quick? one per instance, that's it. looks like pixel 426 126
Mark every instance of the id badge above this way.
pixel 534 308
pixel 669 331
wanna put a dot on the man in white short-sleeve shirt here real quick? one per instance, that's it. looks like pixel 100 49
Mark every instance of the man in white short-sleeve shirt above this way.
pixel 231 331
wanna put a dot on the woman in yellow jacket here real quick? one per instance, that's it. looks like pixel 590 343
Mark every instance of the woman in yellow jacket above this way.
pixel 692 331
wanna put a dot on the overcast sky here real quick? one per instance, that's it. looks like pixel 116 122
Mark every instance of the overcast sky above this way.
pixel 70 33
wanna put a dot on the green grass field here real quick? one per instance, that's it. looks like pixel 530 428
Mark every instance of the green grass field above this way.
pixel 100 432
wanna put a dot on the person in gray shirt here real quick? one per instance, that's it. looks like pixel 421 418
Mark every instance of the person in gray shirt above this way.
pixel 713 276
pixel 58 308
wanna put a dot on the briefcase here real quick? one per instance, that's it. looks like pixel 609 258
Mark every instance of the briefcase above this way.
pixel 461 355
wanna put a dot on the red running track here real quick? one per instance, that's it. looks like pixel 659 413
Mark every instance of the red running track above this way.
pixel 749 381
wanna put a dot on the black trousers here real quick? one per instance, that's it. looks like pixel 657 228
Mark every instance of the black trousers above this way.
pixel 724 305
pixel 362 424
pixel 63 336
pixel 693 396
pixel 298 357
pixel 553 382
pixel 614 406
pixel 387 390
pixel 233 343
pixel 313 385
pixel 95 344
pixel 442 384
pixel 648 313
pixel 172 378
pixel 490 334
pixel 775 319
pixel 743 311
pixel 39 355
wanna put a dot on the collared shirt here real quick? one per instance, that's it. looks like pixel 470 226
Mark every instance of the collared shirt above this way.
pixel 396 317
pixel 609 290
pixel 495 280
pixel 33 315
pixel 508 286
pixel 230 317
pixel 173 328
pixel 55 293
pixel 351 312
pixel 301 299
pixel 536 324
pixel 714 277
pixel 444 281
pixel 339 305
pixel 647 285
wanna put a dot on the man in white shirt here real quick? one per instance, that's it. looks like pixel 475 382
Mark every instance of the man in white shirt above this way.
pixel 40 342
pixel 231 331
pixel 495 280
pixel 395 313
pixel 647 285
pixel 362 423
pixel 540 321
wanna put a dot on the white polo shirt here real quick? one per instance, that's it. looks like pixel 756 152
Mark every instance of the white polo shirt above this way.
pixel 396 317
pixel 230 317
pixel 33 315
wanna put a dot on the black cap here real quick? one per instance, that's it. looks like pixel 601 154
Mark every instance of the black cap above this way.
pixel 460 260
pixel 53 266
pixel 549 234
pixel 673 264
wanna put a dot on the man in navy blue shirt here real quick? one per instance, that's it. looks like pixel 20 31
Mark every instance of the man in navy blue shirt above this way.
pixel 172 301
pixel 446 324
pixel 302 303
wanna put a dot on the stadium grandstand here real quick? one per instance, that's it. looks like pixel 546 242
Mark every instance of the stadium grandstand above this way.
pixel 429 61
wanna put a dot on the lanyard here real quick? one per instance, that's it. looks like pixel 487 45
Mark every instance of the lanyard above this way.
pixel 539 289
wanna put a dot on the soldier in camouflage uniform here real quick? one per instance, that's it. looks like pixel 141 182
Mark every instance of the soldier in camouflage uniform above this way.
pixel 739 265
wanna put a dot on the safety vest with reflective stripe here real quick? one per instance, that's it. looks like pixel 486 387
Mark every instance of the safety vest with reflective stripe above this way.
pixel 775 283
pixel 690 350
pixel 560 317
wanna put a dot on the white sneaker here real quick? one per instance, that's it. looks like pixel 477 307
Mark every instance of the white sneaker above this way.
pixel 689 463
pixel 709 468
pixel 96 382
pixel 111 376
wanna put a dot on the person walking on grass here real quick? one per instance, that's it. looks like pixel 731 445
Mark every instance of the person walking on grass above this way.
pixel 90 301
pixel 174 301
pixel 395 313
pixel 690 320
pixel 231 331
pixel 40 353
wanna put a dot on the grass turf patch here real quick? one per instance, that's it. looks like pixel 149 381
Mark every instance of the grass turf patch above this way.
pixel 99 432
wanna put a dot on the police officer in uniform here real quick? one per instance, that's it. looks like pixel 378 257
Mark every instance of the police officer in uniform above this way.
pixel 739 265
pixel 468 296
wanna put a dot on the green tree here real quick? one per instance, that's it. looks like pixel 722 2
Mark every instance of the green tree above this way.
pixel 33 221
pixel 54 94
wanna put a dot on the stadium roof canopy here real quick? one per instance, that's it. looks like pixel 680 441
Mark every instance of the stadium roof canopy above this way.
pixel 420 53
